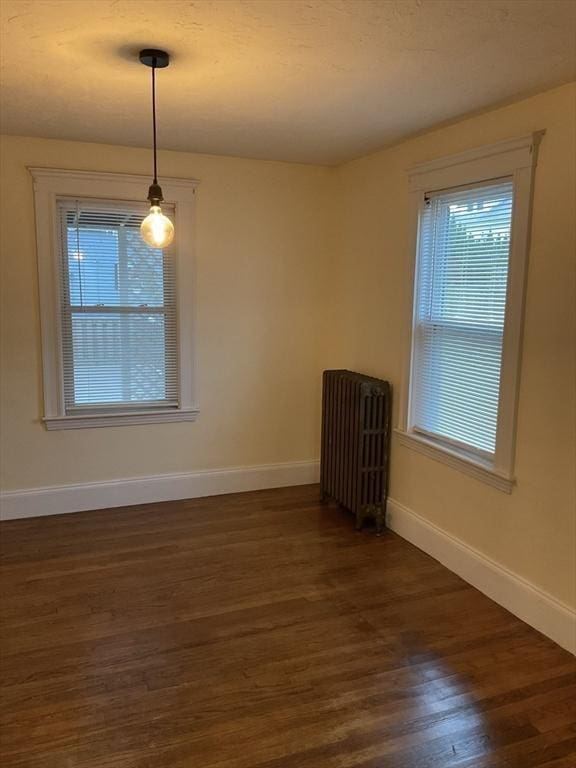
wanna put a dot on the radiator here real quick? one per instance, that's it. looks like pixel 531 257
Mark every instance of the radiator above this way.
pixel 355 444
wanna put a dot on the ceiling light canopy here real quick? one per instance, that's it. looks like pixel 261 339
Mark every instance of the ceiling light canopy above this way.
pixel 157 230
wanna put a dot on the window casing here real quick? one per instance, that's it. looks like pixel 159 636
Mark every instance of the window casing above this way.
pixel 471 227
pixel 117 315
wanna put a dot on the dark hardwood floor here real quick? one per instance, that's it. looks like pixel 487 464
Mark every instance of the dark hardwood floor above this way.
pixel 259 630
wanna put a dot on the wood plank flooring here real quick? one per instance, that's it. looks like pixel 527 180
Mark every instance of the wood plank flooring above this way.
pixel 259 630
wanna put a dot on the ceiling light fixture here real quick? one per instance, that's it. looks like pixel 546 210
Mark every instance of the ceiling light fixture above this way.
pixel 157 230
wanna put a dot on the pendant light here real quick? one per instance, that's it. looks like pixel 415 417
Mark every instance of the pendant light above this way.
pixel 157 230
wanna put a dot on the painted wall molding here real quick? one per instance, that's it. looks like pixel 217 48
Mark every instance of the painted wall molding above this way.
pixel 54 500
pixel 537 608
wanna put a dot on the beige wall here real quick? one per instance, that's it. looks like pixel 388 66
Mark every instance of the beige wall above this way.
pixel 262 231
pixel 532 531
pixel 301 268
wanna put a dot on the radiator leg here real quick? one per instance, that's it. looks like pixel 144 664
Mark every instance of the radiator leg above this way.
pixel 380 519
pixel 359 519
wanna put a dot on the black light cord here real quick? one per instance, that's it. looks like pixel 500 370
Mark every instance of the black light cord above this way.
pixel 154 119
pixel 155 59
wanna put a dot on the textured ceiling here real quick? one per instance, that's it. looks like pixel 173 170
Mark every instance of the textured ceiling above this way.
pixel 302 80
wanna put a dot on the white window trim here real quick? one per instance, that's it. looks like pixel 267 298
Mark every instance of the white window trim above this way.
pixel 50 183
pixel 517 159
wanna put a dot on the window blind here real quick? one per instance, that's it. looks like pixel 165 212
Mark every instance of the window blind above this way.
pixel 118 310
pixel 460 305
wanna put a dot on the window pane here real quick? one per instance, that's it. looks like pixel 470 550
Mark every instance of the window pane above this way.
pixel 457 385
pixel 113 267
pixel 470 258
pixel 118 358
pixel 462 278
pixel 119 338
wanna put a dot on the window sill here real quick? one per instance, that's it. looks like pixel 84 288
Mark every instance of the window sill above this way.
pixel 475 468
pixel 84 421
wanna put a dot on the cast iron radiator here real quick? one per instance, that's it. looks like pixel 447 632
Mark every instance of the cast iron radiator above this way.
pixel 355 441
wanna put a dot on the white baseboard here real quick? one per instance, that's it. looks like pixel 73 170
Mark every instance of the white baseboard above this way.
pixel 56 500
pixel 531 604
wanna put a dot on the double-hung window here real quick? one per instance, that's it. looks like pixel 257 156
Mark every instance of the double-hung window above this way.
pixel 472 238
pixel 115 312
pixel 464 249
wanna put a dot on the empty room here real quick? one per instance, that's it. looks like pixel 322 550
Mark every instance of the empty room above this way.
pixel 288 384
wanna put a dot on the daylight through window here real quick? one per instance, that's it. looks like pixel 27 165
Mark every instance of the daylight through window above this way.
pixel 460 307
pixel 118 310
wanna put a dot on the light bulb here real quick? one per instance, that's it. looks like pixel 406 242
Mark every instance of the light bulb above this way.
pixel 157 230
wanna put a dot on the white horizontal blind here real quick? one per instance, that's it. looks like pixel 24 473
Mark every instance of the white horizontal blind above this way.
pixel 460 306
pixel 118 310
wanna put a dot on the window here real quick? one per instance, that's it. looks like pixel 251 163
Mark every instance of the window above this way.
pixel 472 235
pixel 464 246
pixel 115 312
